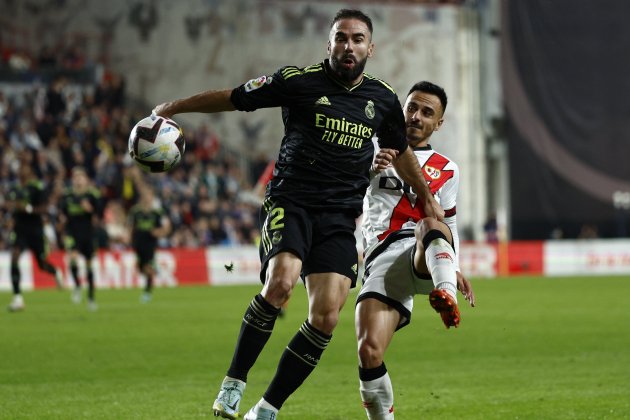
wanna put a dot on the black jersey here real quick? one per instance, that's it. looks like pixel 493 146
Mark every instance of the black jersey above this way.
pixel 143 223
pixel 80 220
pixel 327 150
pixel 31 193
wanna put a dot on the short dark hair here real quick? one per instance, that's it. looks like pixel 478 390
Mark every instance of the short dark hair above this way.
pixel 432 89
pixel 352 14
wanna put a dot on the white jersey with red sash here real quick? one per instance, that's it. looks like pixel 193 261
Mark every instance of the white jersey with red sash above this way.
pixel 390 204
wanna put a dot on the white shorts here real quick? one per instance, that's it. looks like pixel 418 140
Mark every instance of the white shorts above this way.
pixel 390 277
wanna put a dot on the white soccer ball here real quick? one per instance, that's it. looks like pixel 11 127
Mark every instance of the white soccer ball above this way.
pixel 156 143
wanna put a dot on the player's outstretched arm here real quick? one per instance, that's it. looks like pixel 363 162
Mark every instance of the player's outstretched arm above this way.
pixel 207 102
pixel 406 165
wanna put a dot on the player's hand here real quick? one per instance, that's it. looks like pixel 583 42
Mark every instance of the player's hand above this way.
pixel 383 159
pixel 163 110
pixel 86 205
pixel 464 286
pixel 438 211
pixel 432 208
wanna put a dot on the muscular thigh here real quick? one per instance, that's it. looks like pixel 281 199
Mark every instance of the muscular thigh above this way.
pixel 391 279
pixel 36 242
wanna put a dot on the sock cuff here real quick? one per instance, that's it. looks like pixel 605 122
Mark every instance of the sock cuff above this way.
pixel 265 306
pixel 431 236
pixel 314 335
pixel 373 373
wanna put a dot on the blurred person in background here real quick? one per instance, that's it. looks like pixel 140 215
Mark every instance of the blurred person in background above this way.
pixel 330 111
pixel 147 223
pixel 28 202
pixel 406 253
pixel 80 210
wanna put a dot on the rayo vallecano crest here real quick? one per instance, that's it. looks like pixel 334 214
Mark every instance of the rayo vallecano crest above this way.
pixel 369 110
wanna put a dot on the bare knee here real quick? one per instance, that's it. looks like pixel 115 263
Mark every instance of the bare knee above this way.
pixel 277 291
pixel 324 321
pixel 428 224
pixel 279 284
pixel 370 353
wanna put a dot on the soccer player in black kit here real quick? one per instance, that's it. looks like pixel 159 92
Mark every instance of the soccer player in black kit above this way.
pixel 331 110
pixel 28 201
pixel 148 224
pixel 80 207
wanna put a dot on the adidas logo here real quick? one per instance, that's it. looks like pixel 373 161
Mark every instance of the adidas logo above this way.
pixel 322 101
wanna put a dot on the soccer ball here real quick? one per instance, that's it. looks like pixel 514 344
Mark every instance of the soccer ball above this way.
pixel 156 143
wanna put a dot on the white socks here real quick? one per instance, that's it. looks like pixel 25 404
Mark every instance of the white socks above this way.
pixel 378 398
pixel 440 259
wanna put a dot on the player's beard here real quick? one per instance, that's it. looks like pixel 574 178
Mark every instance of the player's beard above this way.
pixel 347 75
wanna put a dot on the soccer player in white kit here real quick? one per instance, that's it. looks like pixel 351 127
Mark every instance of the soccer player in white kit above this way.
pixel 406 253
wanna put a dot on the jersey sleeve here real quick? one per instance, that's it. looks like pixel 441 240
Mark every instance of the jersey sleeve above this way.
pixel 391 133
pixel 265 91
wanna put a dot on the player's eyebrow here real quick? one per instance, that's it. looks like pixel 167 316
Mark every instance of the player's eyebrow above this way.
pixel 354 34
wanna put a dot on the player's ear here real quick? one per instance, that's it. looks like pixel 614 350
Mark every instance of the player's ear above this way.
pixel 439 124
pixel 329 47
pixel 370 50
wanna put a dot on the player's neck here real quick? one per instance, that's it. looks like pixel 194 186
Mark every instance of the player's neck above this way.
pixel 422 145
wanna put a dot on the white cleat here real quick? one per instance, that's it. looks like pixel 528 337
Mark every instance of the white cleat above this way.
pixel 229 398
pixel 76 296
pixel 17 304
pixel 259 413
pixel 146 297
pixel 92 306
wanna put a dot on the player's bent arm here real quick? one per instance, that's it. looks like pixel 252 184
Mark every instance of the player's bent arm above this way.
pixel 163 230
pixel 206 102
pixel 406 165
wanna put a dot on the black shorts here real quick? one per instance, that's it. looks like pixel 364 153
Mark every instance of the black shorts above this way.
pixel 84 244
pixel 32 239
pixel 323 240
pixel 144 255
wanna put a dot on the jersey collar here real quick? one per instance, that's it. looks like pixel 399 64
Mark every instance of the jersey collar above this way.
pixel 331 74
pixel 427 147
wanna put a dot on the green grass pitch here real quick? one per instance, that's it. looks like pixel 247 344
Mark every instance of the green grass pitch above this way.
pixel 533 348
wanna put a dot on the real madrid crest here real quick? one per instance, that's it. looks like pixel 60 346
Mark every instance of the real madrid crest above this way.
pixel 369 110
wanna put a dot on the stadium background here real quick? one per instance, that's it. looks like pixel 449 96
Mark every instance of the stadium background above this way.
pixel 528 107
pixel 537 121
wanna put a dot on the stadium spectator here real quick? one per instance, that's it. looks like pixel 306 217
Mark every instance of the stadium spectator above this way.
pixel 312 200
pixel 406 253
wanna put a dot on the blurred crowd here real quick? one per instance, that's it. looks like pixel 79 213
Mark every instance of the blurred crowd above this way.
pixel 57 126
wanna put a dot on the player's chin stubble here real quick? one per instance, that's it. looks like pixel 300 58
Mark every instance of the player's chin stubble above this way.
pixel 350 74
